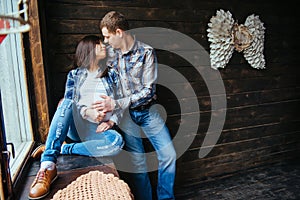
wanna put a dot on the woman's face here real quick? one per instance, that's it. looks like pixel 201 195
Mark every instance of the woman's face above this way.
pixel 100 51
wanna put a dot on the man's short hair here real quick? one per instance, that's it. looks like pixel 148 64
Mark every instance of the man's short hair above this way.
pixel 114 20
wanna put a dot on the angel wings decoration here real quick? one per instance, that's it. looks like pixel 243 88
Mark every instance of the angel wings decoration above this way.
pixel 226 35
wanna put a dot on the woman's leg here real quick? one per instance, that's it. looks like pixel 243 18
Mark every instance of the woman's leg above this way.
pixel 108 143
pixel 58 130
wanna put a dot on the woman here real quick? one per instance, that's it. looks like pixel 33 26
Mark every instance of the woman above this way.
pixel 90 129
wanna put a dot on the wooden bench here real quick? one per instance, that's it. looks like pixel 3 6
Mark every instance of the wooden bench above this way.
pixel 69 167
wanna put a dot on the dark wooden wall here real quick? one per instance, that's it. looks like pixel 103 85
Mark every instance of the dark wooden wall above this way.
pixel 262 123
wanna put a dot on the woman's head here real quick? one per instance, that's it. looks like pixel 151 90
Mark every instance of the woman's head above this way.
pixel 90 50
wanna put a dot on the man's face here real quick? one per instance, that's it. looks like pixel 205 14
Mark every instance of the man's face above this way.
pixel 110 38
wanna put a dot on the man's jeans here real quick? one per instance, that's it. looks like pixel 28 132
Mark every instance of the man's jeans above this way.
pixel 150 122
pixel 67 121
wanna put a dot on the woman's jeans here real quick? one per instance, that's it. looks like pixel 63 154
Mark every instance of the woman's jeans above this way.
pixel 68 122
pixel 153 126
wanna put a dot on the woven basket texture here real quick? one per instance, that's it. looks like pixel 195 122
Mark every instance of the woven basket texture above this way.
pixel 95 185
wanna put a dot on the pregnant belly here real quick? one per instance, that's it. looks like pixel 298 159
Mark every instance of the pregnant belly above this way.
pixel 97 97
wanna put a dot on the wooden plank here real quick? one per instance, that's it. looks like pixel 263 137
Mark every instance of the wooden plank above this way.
pixel 38 89
pixel 248 133
pixel 200 176
pixel 246 160
pixel 80 26
pixel 219 160
pixel 69 11
pixel 246 145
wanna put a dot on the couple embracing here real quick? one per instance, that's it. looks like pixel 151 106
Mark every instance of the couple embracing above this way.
pixel 123 75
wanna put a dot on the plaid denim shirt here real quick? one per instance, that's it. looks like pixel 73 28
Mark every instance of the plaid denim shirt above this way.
pixel 75 79
pixel 137 70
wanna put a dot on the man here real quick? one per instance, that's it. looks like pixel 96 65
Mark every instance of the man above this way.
pixel 136 65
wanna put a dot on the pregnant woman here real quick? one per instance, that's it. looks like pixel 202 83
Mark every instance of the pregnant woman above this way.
pixel 92 131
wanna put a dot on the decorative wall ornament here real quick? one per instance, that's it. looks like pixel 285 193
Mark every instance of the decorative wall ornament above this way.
pixel 226 35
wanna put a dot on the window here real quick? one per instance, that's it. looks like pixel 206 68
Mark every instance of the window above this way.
pixel 13 86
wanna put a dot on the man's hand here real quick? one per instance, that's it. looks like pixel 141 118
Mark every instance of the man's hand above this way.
pixel 104 126
pixel 93 114
pixel 105 105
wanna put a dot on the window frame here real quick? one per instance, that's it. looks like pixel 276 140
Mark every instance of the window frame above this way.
pixel 15 97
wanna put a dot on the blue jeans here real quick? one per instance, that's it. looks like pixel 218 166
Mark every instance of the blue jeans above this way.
pixel 68 122
pixel 153 126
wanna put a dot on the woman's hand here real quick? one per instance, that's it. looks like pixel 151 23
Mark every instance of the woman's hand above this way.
pixel 93 114
pixel 104 126
pixel 105 105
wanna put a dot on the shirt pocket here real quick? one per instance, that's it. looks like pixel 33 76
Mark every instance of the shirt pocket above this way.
pixel 137 73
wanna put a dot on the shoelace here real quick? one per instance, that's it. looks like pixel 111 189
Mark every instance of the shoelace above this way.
pixel 40 177
pixel 41 174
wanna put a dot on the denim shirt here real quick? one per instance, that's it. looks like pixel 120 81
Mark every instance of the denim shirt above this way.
pixel 137 70
pixel 76 78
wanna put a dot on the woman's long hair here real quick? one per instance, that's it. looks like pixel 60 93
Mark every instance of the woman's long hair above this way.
pixel 85 53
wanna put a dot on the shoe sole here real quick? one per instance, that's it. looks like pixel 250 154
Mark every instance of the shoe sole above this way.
pixel 40 197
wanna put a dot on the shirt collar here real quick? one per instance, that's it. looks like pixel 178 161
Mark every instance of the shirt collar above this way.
pixel 131 49
pixel 84 70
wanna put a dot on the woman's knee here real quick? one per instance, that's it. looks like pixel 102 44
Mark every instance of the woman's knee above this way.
pixel 114 142
pixel 66 103
pixel 65 108
pixel 113 136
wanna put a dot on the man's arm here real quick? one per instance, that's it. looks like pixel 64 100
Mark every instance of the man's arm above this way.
pixel 148 81
pixel 140 97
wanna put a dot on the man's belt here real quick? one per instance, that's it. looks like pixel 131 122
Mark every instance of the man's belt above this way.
pixel 145 106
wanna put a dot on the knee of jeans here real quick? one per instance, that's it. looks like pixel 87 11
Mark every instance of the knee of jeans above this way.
pixel 110 151
pixel 66 103
pixel 138 158
pixel 168 156
pixel 65 106
pixel 114 138
pixel 172 155
pixel 118 144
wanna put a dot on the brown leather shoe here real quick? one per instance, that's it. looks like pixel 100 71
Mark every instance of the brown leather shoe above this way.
pixel 41 184
pixel 36 154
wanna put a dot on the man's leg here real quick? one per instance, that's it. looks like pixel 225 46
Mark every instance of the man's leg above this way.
pixel 159 136
pixel 138 177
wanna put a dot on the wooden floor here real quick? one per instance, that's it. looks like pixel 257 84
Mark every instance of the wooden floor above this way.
pixel 280 181
pixel 69 168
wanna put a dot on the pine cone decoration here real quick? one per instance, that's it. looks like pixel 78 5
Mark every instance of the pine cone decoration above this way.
pixel 226 36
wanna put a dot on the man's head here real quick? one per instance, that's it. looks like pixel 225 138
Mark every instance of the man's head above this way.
pixel 113 26
pixel 114 20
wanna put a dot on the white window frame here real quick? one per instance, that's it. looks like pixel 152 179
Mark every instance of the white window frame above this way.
pixel 14 92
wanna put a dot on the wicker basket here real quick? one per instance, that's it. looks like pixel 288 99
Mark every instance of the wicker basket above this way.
pixel 95 185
